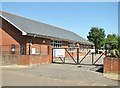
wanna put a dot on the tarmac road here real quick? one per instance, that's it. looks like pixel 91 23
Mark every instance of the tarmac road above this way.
pixel 55 75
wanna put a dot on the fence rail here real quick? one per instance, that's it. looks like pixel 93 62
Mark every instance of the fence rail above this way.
pixel 36 49
pixel 14 54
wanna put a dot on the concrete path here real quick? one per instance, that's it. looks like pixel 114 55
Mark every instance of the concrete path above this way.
pixel 55 75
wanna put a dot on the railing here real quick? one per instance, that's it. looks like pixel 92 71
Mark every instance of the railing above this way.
pixel 36 49
pixel 13 55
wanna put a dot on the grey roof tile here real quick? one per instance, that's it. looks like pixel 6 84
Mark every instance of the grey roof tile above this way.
pixel 34 27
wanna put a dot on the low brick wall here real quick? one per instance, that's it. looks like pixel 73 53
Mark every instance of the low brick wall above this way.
pixel 25 59
pixel 8 59
pixel 112 68
pixel 39 59
pixel 111 65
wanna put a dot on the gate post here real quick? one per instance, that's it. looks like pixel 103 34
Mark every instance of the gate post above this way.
pixel 52 55
pixel 92 58
pixel 77 55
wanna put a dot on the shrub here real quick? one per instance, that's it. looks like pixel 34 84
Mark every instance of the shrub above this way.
pixel 114 53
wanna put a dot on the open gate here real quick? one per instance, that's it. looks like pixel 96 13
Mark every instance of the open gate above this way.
pixel 66 56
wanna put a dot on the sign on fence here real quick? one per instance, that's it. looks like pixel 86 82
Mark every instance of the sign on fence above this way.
pixel 59 52
pixel 92 50
pixel 33 50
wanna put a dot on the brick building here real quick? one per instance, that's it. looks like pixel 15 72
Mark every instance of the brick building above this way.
pixel 25 41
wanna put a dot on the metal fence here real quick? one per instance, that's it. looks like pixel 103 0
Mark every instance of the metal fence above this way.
pixel 35 49
pixel 11 54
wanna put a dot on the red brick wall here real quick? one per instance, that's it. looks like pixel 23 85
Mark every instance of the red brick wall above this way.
pixel 74 54
pixel 0 36
pixel 36 59
pixel 82 53
pixel 12 36
pixel 111 65
pixel 50 53
pixel 24 60
pixel 64 44
pixel 39 48
pixel 27 59
pixel 38 40
pixel 39 59
pixel 7 39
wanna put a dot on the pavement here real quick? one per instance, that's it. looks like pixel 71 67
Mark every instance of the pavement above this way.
pixel 56 74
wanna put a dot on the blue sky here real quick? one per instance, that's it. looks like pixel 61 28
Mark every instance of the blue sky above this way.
pixel 77 17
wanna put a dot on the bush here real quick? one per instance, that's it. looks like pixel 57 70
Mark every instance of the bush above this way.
pixel 119 43
pixel 114 53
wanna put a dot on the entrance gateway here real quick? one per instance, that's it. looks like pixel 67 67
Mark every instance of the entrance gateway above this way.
pixel 65 56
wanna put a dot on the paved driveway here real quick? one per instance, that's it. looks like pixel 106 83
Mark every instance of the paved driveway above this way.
pixel 56 75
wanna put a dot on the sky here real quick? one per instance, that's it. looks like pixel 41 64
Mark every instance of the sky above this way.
pixel 77 17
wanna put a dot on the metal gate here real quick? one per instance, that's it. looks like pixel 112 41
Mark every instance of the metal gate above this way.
pixel 66 56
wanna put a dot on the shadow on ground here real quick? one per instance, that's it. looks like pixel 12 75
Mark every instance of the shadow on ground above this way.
pixel 97 68
pixel 100 70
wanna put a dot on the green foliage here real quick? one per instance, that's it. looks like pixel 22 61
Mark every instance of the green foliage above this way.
pixel 96 35
pixel 118 43
pixel 114 53
pixel 112 43
pixel 111 39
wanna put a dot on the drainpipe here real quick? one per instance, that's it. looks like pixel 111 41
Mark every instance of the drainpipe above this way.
pixel 30 41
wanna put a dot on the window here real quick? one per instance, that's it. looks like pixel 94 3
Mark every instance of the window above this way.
pixel 22 49
pixel 86 48
pixel 71 46
pixel 56 44
pixel 81 47
pixel 13 49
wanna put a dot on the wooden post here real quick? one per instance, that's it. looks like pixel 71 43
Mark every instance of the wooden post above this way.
pixel 52 55
pixel 64 59
pixel 77 55
pixel 29 48
pixel 92 58
pixel 30 42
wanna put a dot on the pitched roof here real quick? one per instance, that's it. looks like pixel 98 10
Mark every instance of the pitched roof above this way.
pixel 31 27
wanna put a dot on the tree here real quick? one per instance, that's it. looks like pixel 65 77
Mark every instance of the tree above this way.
pixel 96 35
pixel 111 39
